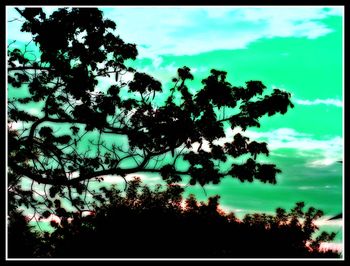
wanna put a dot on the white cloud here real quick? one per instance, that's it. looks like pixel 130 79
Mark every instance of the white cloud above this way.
pixel 325 221
pixel 291 21
pixel 307 187
pixel 334 102
pixel 191 30
pixel 322 162
pixel 289 138
pixel 330 150
pixel 148 179
pixel 284 13
pixel 315 187
pixel 194 30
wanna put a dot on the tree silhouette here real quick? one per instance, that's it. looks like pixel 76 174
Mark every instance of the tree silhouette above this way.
pixel 132 128
pixel 23 241
pixel 160 223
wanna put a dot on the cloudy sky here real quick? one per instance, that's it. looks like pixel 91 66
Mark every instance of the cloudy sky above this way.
pixel 298 49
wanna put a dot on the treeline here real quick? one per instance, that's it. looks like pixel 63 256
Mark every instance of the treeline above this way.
pixel 143 223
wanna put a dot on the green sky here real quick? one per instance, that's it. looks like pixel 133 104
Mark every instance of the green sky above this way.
pixel 295 49
pixel 299 50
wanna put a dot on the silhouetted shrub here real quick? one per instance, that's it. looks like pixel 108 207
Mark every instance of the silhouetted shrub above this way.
pixel 23 240
pixel 160 223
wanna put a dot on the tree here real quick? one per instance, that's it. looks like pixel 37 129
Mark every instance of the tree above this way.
pixel 78 49
pixel 23 241
pixel 153 223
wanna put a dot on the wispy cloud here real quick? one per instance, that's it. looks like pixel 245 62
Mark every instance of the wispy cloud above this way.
pixel 322 162
pixel 180 31
pixel 192 30
pixel 292 21
pixel 148 179
pixel 325 221
pixel 324 152
pixel 328 150
pixel 288 138
pixel 327 187
pixel 334 102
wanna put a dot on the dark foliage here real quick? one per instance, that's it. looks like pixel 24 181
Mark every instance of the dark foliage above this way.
pixel 23 240
pixel 147 223
pixel 77 49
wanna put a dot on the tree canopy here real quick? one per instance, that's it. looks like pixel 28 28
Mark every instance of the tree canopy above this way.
pixel 78 50
pixel 160 223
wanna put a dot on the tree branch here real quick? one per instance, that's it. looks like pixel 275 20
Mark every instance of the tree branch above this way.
pixel 28 68
pixel 116 171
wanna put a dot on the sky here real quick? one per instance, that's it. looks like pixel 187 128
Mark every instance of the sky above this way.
pixel 297 49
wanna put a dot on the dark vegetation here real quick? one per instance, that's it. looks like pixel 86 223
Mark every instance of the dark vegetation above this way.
pixel 132 131
pixel 159 223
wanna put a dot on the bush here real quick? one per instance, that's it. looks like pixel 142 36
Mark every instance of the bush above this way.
pixel 159 223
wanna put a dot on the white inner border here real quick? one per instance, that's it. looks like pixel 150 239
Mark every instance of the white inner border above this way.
pixel 178 259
